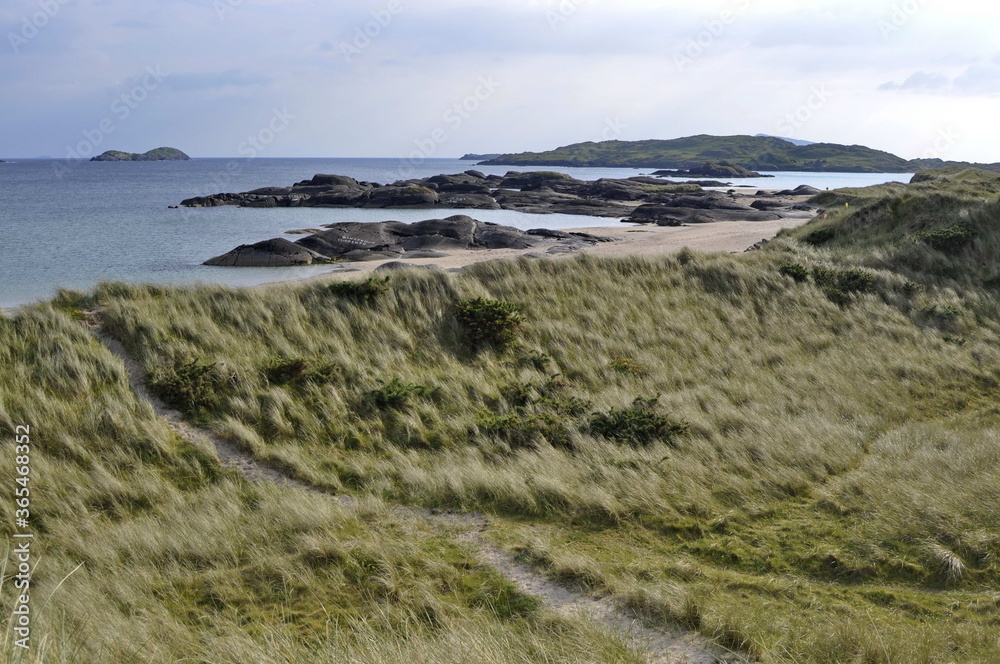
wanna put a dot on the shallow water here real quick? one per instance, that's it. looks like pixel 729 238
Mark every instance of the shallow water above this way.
pixel 74 225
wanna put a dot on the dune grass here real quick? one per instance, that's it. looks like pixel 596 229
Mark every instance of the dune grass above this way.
pixel 793 450
pixel 146 550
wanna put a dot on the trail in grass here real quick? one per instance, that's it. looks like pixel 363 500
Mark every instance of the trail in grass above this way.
pixel 675 646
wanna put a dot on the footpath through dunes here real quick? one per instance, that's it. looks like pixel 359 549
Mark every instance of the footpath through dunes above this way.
pixel 662 644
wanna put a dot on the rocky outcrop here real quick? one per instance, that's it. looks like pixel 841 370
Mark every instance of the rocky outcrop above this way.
pixel 278 252
pixel 395 240
pixel 722 169
pixel 708 207
pixel 159 154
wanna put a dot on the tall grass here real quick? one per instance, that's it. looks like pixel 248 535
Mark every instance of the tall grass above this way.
pixel 827 492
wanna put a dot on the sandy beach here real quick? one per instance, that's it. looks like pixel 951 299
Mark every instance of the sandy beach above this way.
pixel 632 240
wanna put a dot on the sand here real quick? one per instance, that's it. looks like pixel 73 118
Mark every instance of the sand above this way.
pixel 633 240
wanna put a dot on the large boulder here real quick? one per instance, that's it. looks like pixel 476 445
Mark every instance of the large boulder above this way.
pixel 277 252
pixel 412 196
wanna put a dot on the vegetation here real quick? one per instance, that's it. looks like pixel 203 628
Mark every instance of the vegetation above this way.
pixel 758 153
pixel 159 154
pixel 816 482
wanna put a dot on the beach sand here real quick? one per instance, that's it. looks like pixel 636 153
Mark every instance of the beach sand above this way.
pixel 633 240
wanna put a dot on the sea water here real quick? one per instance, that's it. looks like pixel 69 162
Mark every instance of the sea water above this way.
pixel 75 224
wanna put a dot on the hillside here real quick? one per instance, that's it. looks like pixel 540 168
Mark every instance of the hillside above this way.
pixel 758 153
pixel 159 154
pixel 793 453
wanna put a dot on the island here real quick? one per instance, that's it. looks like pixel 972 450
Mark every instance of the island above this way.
pixel 159 154
pixel 481 157
pixel 756 153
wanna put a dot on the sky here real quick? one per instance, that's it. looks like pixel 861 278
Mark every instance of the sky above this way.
pixel 439 78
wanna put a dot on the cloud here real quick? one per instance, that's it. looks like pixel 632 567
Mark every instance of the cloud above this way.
pixel 980 80
pixel 919 81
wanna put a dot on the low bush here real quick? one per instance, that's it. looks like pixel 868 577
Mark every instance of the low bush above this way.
pixel 489 322
pixel 796 271
pixel 638 424
pixel 947 240
pixel 366 291
pixel 397 394
pixel 298 370
pixel 820 236
pixel 190 384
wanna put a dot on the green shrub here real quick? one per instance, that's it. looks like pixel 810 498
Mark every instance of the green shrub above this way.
pixel 489 322
pixel 522 429
pixel 820 236
pixel 840 284
pixel 190 385
pixel 366 291
pixel 947 240
pixel 638 425
pixel 298 370
pixel 397 394
pixel 796 271
pixel 627 365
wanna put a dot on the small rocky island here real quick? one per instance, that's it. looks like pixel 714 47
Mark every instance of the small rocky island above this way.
pixel 723 169
pixel 159 154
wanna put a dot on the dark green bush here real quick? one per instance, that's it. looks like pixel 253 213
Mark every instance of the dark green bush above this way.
pixel 796 271
pixel 489 322
pixel 638 424
pixel 298 370
pixel 522 429
pixel 840 284
pixel 628 365
pixel 365 292
pixel 190 385
pixel 820 236
pixel 947 240
pixel 397 394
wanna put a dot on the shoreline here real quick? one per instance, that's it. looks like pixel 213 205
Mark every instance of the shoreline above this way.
pixel 633 240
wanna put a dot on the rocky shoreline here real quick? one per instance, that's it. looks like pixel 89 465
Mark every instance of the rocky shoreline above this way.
pixel 638 200
pixel 359 241
pixel 541 192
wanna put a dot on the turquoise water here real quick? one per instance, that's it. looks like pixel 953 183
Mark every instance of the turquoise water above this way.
pixel 74 225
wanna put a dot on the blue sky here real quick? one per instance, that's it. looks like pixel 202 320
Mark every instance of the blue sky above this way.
pixel 303 78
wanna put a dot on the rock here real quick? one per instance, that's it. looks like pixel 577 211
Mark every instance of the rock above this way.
pixel 356 241
pixel 722 169
pixel 801 190
pixel 386 197
pixel 392 266
pixel 278 252
pixel 665 215
pixel 768 205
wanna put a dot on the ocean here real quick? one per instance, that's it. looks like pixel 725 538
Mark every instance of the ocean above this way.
pixel 74 225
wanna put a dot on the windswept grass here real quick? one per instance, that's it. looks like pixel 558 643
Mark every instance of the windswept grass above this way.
pixel 147 551
pixel 793 450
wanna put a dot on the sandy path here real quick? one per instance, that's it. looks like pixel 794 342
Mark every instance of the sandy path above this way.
pixel 663 646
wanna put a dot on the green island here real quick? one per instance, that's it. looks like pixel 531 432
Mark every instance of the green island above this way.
pixel 792 454
pixel 159 154
pixel 756 153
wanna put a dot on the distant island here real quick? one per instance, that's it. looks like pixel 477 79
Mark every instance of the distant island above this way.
pixel 159 154
pixel 481 157
pixel 757 153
